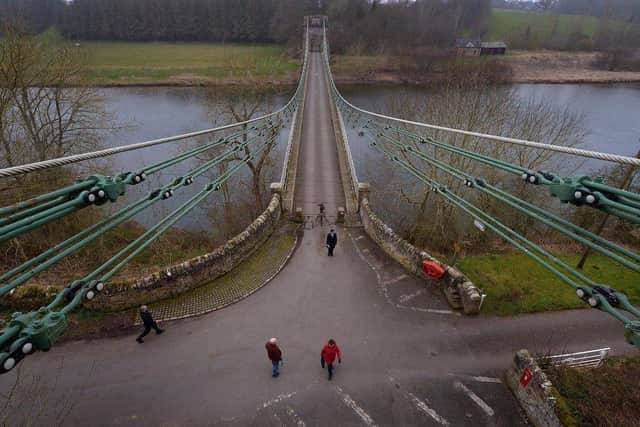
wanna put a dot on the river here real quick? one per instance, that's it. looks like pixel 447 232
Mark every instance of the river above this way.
pixel 611 119
pixel 146 113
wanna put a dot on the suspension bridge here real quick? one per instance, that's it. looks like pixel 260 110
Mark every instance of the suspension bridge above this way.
pixel 408 357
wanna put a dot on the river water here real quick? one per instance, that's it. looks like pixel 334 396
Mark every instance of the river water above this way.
pixel 146 113
pixel 611 120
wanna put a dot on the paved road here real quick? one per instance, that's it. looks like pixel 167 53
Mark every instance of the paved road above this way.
pixel 407 359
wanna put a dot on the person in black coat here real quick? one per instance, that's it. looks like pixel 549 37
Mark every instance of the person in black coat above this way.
pixel 332 241
pixel 148 322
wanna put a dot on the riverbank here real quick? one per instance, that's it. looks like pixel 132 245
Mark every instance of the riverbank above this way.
pixel 118 64
pixel 549 67
pixel 563 67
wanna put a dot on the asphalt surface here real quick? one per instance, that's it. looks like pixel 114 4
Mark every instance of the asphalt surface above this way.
pixel 407 359
pixel 318 177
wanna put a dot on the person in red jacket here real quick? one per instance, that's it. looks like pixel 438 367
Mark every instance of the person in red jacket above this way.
pixel 328 356
pixel 275 355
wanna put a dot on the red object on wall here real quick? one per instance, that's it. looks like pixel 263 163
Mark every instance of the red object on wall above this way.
pixel 525 378
pixel 432 269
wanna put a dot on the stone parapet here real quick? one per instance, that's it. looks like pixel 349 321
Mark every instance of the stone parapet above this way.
pixel 290 166
pixel 533 390
pixel 190 274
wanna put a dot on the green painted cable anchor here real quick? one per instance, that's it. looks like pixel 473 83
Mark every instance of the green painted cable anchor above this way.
pixel 106 188
pixel 572 190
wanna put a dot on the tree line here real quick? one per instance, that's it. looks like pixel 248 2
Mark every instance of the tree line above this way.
pixel 372 22
pixel 627 10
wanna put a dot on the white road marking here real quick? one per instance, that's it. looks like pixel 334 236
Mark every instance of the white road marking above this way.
pixel 295 417
pixel 385 292
pixel 422 406
pixel 359 237
pixel 432 310
pixel 480 379
pixel 477 400
pixel 408 297
pixel 395 280
pixel 277 399
pixel 354 406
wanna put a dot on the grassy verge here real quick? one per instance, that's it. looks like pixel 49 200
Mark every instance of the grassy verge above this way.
pixel 605 396
pixel 514 283
pixel 166 63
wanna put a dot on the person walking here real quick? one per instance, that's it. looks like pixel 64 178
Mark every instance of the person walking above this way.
pixel 332 241
pixel 148 322
pixel 328 356
pixel 275 355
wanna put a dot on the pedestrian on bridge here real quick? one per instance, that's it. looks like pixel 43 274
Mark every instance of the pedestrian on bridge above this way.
pixel 328 356
pixel 332 241
pixel 148 322
pixel 275 355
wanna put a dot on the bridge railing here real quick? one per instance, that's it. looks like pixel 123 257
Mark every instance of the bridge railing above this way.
pixel 288 176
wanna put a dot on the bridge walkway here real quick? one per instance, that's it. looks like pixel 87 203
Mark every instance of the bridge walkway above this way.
pixel 318 178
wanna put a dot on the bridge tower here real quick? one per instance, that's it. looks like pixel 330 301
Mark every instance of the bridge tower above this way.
pixel 316 23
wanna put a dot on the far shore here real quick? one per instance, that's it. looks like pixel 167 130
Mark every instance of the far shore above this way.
pixel 537 75
pixel 390 79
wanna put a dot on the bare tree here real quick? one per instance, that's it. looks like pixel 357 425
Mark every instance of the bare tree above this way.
pixel 243 104
pixel 492 110
pixel 46 109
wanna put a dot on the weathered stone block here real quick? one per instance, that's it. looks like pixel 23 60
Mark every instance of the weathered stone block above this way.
pixel 537 397
pixel 190 274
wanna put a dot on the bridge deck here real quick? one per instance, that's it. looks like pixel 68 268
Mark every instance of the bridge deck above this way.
pixel 318 179
pixel 405 362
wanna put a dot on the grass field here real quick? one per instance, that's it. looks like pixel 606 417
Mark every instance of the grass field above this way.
pixel 514 283
pixel 604 396
pixel 128 62
pixel 505 23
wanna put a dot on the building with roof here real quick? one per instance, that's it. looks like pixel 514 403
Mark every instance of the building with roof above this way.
pixel 493 48
pixel 466 47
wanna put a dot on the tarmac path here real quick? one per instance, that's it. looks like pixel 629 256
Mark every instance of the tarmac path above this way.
pixel 407 359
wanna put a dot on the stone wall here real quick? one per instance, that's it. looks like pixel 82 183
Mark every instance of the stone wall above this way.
pixel 190 274
pixel 460 292
pixel 538 397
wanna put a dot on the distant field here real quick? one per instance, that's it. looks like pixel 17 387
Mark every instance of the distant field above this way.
pixel 505 23
pixel 514 283
pixel 129 63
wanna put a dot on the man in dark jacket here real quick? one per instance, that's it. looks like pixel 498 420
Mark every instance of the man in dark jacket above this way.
pixel 328 356
pixel 148 322
pixel 275 355
pixel 332 241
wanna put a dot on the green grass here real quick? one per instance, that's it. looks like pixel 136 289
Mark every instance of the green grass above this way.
pixel 129 62
pixel 505 23
pixel 514 283
pixel 604 396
